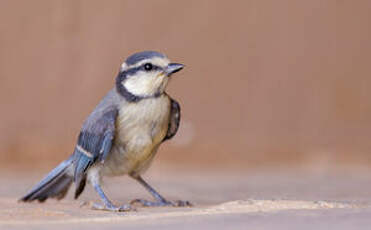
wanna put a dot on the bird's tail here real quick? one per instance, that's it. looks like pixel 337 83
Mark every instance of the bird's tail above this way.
pixel 55 184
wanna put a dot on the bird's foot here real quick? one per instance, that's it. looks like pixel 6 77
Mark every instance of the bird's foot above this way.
pixel 113 208
pixel 147 203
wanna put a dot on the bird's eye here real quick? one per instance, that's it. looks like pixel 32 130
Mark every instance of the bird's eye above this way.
pixel 148 66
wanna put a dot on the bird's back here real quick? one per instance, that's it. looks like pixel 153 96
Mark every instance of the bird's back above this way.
pixel 110 102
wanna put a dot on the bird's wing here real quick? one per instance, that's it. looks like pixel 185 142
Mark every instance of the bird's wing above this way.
pixel 174 119
pixel 94 142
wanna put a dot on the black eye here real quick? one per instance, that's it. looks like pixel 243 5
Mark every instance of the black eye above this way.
pixel 148 66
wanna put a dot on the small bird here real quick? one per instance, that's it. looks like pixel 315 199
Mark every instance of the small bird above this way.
pixel 122 134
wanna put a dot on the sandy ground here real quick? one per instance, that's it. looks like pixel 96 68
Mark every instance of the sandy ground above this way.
pixel 264 199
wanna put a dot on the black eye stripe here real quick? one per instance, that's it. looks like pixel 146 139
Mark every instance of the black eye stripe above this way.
pixel 134 70
pixel 153 67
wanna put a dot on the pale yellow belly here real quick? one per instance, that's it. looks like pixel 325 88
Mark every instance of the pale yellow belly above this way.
pixel 131 159
pixel 139 132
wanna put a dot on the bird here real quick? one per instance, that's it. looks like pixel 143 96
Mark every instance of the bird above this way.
pixel 121 135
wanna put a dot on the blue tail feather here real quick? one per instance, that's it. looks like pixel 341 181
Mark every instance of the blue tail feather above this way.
pixel 55 184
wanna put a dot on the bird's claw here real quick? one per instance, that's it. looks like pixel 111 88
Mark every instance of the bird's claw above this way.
pixel 147 203
pixel 182 203
pixel 113 208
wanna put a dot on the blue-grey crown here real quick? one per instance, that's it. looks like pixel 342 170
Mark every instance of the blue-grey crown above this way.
pixel 137 57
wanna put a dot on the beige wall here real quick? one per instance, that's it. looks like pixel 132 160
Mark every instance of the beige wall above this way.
pixel 266 82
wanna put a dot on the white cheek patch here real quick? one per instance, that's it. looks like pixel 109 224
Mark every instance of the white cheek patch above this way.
pixel 143 84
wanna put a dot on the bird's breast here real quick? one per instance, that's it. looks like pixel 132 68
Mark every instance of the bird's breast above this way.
pixel 140 128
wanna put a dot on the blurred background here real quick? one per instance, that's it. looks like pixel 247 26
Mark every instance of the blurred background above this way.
pixel 266 84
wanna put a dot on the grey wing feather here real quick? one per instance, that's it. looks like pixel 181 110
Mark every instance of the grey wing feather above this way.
pixel 174 120
pixel 94 143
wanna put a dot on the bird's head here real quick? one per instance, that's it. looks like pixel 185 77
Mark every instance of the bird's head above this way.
pixel 145 75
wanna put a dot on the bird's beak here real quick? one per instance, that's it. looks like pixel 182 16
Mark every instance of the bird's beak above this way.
pixel 173 68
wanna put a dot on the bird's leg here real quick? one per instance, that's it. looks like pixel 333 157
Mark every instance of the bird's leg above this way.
pixel 107 204
pixel 160 200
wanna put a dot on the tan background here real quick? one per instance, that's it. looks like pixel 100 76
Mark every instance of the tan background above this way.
pixel 266 83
